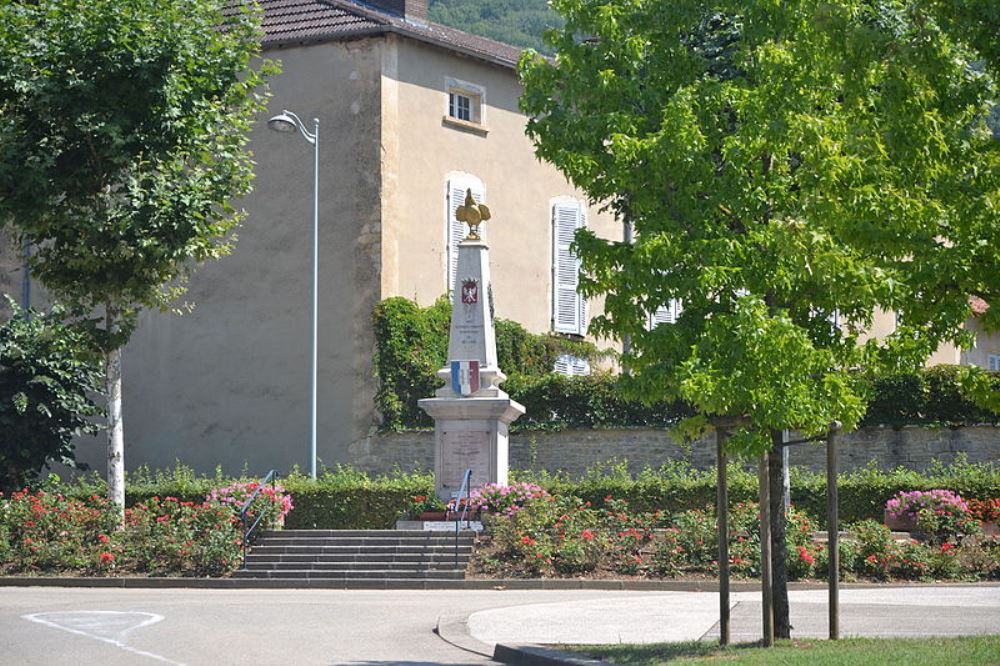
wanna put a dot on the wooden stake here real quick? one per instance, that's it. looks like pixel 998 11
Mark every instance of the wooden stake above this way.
pixel 767 605
pixel 833 534
pixel 722 515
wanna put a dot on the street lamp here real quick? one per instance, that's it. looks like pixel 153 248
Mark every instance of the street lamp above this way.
pixel 287 122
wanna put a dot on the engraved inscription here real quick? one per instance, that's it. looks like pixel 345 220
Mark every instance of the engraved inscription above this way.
pixel 465 449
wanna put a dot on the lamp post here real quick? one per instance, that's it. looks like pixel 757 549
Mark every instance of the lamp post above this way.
pixel 287 122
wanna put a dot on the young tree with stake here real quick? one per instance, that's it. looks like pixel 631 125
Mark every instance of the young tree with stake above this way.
pixel 790 169
pixel 123 130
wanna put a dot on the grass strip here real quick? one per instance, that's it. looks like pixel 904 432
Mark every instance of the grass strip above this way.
pixel 982 650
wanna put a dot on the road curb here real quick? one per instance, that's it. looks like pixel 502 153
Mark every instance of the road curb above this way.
pixel 536 655
pixel 499 584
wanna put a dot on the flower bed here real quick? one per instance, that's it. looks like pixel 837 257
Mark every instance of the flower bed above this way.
pixel 552 536
pixel 49 533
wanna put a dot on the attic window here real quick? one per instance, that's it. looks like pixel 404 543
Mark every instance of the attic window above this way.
pixel 466 102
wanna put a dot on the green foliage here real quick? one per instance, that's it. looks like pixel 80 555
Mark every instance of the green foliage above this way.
pixel 124 128
pixel 556 402
pixel 517 22
pixel 679 487
pixel 411 345
pixel 941 395
pixel 47 377
pixel 344 498
pixel 781 164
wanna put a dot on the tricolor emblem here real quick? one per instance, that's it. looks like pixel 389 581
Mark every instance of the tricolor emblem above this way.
pixel 465 377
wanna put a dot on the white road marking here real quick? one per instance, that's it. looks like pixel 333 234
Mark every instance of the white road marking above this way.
pixel 108 626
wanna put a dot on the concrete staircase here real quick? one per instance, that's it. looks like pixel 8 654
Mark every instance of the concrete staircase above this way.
pixel 371 558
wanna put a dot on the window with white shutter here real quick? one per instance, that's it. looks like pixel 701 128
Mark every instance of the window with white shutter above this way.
pixel 456 231
pixel 665 314
pixel 569 309
pixel 994 362
pixel 573 366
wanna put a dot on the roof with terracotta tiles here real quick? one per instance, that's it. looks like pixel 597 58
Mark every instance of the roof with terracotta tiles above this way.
pixel 288 22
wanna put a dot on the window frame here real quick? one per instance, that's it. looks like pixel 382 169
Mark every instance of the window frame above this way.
pixel 457 89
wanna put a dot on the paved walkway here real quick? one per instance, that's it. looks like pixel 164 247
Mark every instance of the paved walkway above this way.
pixel 680 616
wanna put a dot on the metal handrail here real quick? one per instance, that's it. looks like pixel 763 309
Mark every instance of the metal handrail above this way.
pixel 467 488
pixel 272 477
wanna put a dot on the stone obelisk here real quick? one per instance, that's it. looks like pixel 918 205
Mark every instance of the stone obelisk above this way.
pixel 471 413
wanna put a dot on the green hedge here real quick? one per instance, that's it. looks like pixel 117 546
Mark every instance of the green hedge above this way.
pixel 862 493
pixel 412 345
pixel 343 498
pixel 932 396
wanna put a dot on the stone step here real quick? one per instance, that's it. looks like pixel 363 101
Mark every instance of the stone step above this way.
pixel 362 533
pixel 359 557
pixel 354 566
pixel 357 541
pixel 373 551
pixel 367 557
pixel 350 574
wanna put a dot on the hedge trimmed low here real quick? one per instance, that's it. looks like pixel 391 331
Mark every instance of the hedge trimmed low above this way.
pixel 344 498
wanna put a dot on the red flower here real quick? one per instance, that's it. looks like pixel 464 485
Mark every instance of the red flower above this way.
pixel 587 534
pixel 945 547
pixel 107 558
pixel 162 519
pixel 103 538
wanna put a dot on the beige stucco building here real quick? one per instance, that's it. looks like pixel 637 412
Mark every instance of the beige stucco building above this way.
pixel 411 115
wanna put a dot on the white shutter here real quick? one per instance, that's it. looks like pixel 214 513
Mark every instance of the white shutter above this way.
pixel 665 314
pixel 994 362
pixel 457 231
pixel 573 366
pixel 569 309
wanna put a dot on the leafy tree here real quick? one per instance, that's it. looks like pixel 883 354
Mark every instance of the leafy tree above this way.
pixel 48 373
pixel 123 126
pixel 790 169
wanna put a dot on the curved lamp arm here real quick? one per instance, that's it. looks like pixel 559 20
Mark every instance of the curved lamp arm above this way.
pixel 286 122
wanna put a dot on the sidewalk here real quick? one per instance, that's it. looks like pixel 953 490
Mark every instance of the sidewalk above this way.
pixel 683 616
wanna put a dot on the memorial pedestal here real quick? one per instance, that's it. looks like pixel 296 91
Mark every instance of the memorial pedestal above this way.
pixel 470 433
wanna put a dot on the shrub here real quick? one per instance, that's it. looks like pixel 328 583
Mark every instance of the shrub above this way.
pixel 174 537
pixel 45 531
pixel 939 513
pixel 505 499
pixel 50 533
pixel 270 506
pixel 344 498
pixel 48 373
pixel 986 510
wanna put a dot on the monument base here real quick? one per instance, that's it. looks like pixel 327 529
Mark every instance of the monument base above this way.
pixel 470 433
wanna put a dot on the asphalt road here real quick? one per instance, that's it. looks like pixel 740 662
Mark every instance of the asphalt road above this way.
pixel 112 627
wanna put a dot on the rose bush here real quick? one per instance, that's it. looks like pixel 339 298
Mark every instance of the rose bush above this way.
pixel 271 504
pixel 48 533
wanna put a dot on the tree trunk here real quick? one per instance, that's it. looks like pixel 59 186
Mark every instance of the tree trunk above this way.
pixel 116 428
pixel 779 549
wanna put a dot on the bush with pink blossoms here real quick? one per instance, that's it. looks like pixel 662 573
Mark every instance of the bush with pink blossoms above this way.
pixel 498 499
pixel 272 503
pixel 939 513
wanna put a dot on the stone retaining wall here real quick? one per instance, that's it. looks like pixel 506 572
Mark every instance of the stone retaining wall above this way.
pixel 574 451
